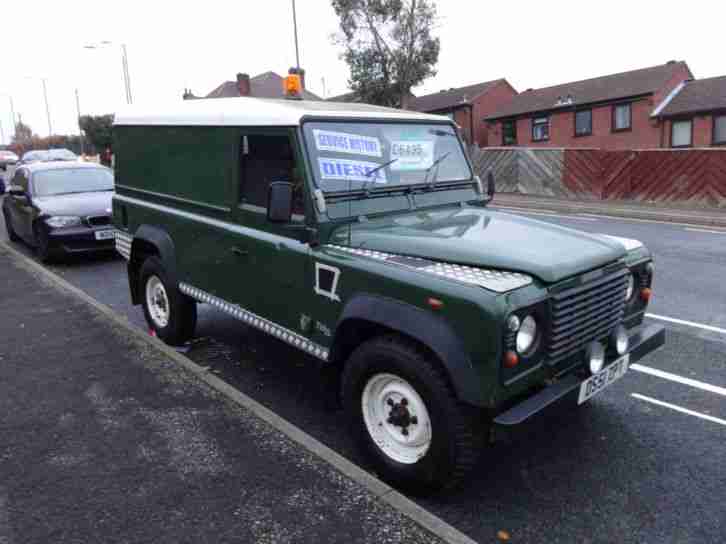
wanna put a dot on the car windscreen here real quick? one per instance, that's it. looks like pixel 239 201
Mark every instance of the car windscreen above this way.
pixel 352 155
pixel 72 180
pixel 61 155
pixel 35 156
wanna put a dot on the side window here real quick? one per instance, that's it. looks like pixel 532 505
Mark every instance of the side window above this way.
pixel 265 158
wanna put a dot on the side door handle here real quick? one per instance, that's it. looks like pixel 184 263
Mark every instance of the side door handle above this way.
pixel 239 252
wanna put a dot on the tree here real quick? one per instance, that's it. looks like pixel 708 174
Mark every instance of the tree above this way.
pixel 389 47
pixel 97 129
pixel 23 133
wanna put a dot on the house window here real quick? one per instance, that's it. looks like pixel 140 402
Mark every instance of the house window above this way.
pixel 540 129
pixel 622 117
pixel 583 123
pixel 509 132
pixel 719 129
pixel 681 132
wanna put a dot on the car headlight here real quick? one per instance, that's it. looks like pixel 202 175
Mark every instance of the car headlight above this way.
pixel 527 335
pixel 61 221
pixel 631 287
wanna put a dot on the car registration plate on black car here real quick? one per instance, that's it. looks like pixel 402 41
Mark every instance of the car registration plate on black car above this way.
pixel 597 382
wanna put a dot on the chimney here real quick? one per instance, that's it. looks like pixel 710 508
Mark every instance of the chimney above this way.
pixel 243 84
pixel 300 72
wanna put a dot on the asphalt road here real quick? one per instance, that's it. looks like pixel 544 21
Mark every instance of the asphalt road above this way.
pixel 642 462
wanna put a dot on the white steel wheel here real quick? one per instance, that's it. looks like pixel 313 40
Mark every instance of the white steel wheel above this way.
pixel 396 418
pixel 157 302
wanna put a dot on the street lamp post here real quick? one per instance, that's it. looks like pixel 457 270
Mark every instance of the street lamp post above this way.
pixel 47 108
pixel 124 65
pixel 12 109
pixel 45 97
pixel 80 130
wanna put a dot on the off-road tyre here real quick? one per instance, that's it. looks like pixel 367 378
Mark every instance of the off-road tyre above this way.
pixel 458 431
pixel 9 227
pixel 182 310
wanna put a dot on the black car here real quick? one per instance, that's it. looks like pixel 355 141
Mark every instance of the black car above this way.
pixel 60 208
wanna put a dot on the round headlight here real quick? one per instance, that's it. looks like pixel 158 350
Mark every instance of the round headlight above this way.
pixel 595 357
pixel 513 323
pixel 631 287
pixel 527 335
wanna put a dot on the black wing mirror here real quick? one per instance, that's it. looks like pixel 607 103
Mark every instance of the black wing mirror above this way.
pixel 279 202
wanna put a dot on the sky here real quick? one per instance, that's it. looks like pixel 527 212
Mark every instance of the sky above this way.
pixel 176 45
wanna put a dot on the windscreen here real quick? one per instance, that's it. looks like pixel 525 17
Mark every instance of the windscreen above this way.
pixel 35 156
pixel 61 155
pixel 72 180
pixel 349 155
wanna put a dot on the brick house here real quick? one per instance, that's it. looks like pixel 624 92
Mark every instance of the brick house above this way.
pixel 695 114
pixel 468 106
pixel 608 112
pixel 267 85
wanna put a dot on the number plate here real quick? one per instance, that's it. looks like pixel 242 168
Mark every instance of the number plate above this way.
pixel 104 234
pixel 596 383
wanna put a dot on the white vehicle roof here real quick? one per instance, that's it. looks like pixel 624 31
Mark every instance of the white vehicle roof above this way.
pixel 247 111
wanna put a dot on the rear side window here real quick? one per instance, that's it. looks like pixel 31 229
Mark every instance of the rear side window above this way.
pixel 265 158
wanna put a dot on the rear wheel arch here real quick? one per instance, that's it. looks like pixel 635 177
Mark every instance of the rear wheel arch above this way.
pixel 150 241
pixel 367 316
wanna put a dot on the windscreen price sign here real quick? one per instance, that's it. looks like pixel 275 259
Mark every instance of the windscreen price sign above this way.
pixel 412 155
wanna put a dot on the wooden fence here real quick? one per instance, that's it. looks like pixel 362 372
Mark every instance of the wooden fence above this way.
pixel 693 176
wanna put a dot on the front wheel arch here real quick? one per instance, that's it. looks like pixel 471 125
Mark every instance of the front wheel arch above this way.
pixel 366 316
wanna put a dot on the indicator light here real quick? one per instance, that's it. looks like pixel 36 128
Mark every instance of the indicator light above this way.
pixel 511 359
pixel 435 303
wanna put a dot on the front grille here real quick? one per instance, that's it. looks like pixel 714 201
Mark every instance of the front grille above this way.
pixel 586 312
pixel 98 220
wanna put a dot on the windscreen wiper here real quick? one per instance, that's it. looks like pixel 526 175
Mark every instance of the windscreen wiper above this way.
pixel 364 188
pixel 434 164
pixel 377 168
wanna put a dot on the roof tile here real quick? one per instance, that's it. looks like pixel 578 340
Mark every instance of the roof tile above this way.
pixel 697 96
pixel 447 99
pixel 611 87
pixel 265 85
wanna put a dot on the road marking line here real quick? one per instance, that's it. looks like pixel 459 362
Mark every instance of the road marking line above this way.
pixel 525 211
pixel 680 379
pixel 705 230
pixel 679 408
pixel 688 323
pixel 615 217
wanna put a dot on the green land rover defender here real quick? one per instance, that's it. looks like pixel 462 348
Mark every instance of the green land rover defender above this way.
pixel 361 236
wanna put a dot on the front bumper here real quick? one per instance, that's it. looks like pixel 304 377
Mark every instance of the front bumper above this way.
pixel 645 339
pixel 79 240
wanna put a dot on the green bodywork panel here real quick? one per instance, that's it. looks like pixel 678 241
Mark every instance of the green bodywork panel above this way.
pixel 487 239
pixel 184 181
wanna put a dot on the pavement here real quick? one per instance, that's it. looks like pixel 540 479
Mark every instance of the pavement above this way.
pixel 668 213
pixel 107 439
pixel 641 463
